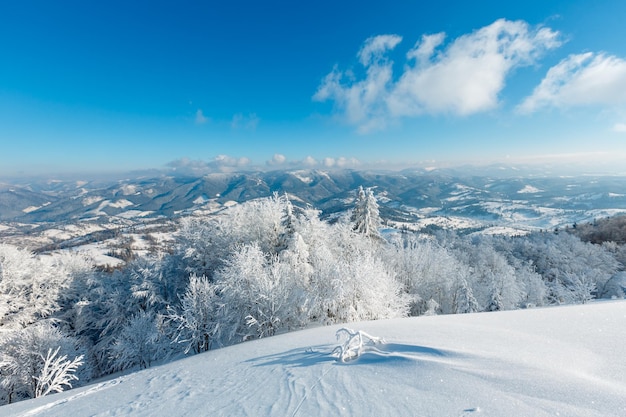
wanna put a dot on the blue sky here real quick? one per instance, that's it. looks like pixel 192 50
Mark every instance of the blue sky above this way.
pixel 119 85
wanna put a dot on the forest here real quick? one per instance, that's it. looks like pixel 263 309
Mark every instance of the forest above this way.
pixel 266 267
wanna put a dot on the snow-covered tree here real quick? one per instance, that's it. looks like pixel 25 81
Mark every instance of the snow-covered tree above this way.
pixel 288 226
pixel 196 319
pixel 464 300
pixel 365 216
pixel 23 356
pixel 29 287
pixel 57 373
pixel 428 271
pixel 351 284
pixel 139 343
pixel 559 258
pixel 258 295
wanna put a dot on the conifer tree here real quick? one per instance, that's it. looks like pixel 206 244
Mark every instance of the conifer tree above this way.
pixel 365 217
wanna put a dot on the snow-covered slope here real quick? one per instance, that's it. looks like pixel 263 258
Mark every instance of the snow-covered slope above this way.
pixel 566 361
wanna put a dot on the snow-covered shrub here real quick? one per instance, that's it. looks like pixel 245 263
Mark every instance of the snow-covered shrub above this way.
pixel 355 343
pixel 57 373
pixel 23 354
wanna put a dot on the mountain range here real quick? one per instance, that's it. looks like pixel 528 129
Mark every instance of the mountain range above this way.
pixel 499 200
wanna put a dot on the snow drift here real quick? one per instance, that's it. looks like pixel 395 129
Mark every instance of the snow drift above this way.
pixel 564 361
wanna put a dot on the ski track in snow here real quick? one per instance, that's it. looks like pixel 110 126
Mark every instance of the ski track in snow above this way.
pixel 47 407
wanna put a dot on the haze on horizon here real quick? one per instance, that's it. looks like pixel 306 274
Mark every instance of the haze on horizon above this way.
pixel 120 86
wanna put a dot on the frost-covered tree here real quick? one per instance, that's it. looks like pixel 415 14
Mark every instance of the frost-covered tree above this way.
pixel 23 355
pixel 365 216
pixel 154 284
pixel 464 300
pixel 258 295
pixel 428 271
pixel 205 243
pixel 493 280
pixel 29 287
pixel 139 343
pixel 558 258
pixel 288 225
pixel 350 282
pixel 57 373
pixel 195 321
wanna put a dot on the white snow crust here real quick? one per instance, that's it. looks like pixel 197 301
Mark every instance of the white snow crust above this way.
pixel 566 361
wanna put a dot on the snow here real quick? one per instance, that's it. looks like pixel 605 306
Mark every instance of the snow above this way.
pixel 129 189
pixel 98 253
pixel 201 200
pixel 121 204
pixel 131 214
pixel 449 222
pixel 92 200
pixel 303 176
pixel 564 361
pixel 503 231
pixel 529 189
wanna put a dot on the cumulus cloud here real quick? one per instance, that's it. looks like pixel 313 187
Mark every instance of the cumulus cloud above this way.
pixel 241 121
pixel 201 118
pixel 580 80
pixel 341 162
pixel 619 127
pixel 227 163
pixel 277 159
pixel 309 161
pixel 374 48
pixel 221 163
pixel 462 78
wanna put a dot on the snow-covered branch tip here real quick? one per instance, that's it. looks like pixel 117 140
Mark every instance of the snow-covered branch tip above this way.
pixel 57 373
pixel 355 343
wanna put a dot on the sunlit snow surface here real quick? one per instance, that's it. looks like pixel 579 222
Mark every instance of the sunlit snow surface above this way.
pixel 561 361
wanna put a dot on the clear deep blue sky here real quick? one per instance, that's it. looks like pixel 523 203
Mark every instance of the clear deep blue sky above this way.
pixel 120 85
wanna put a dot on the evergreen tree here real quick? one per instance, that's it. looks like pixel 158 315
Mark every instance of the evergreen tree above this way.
pixel 365 217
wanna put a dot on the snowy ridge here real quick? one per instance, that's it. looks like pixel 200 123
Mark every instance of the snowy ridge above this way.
pixel 515 363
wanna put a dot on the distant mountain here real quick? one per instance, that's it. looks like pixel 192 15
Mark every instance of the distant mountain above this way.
pixel 408 196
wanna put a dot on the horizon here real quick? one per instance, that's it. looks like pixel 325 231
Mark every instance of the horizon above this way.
pixel 118 87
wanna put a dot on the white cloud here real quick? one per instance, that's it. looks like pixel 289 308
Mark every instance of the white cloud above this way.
pixel 200 117
pixel 328 162
pixel 221 163
pixel 241 121
pixel 374 48
pixel 465 77
pixel 580 80
pixel 277 159
pixel 309 161
pixel 341 162
pixel 619 127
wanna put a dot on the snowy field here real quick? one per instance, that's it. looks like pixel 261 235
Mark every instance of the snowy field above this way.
pixel 560 361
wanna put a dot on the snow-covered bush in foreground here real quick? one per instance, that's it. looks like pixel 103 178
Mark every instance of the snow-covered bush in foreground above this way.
pixel 26 368
pixel 57 373
pixel 355 343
